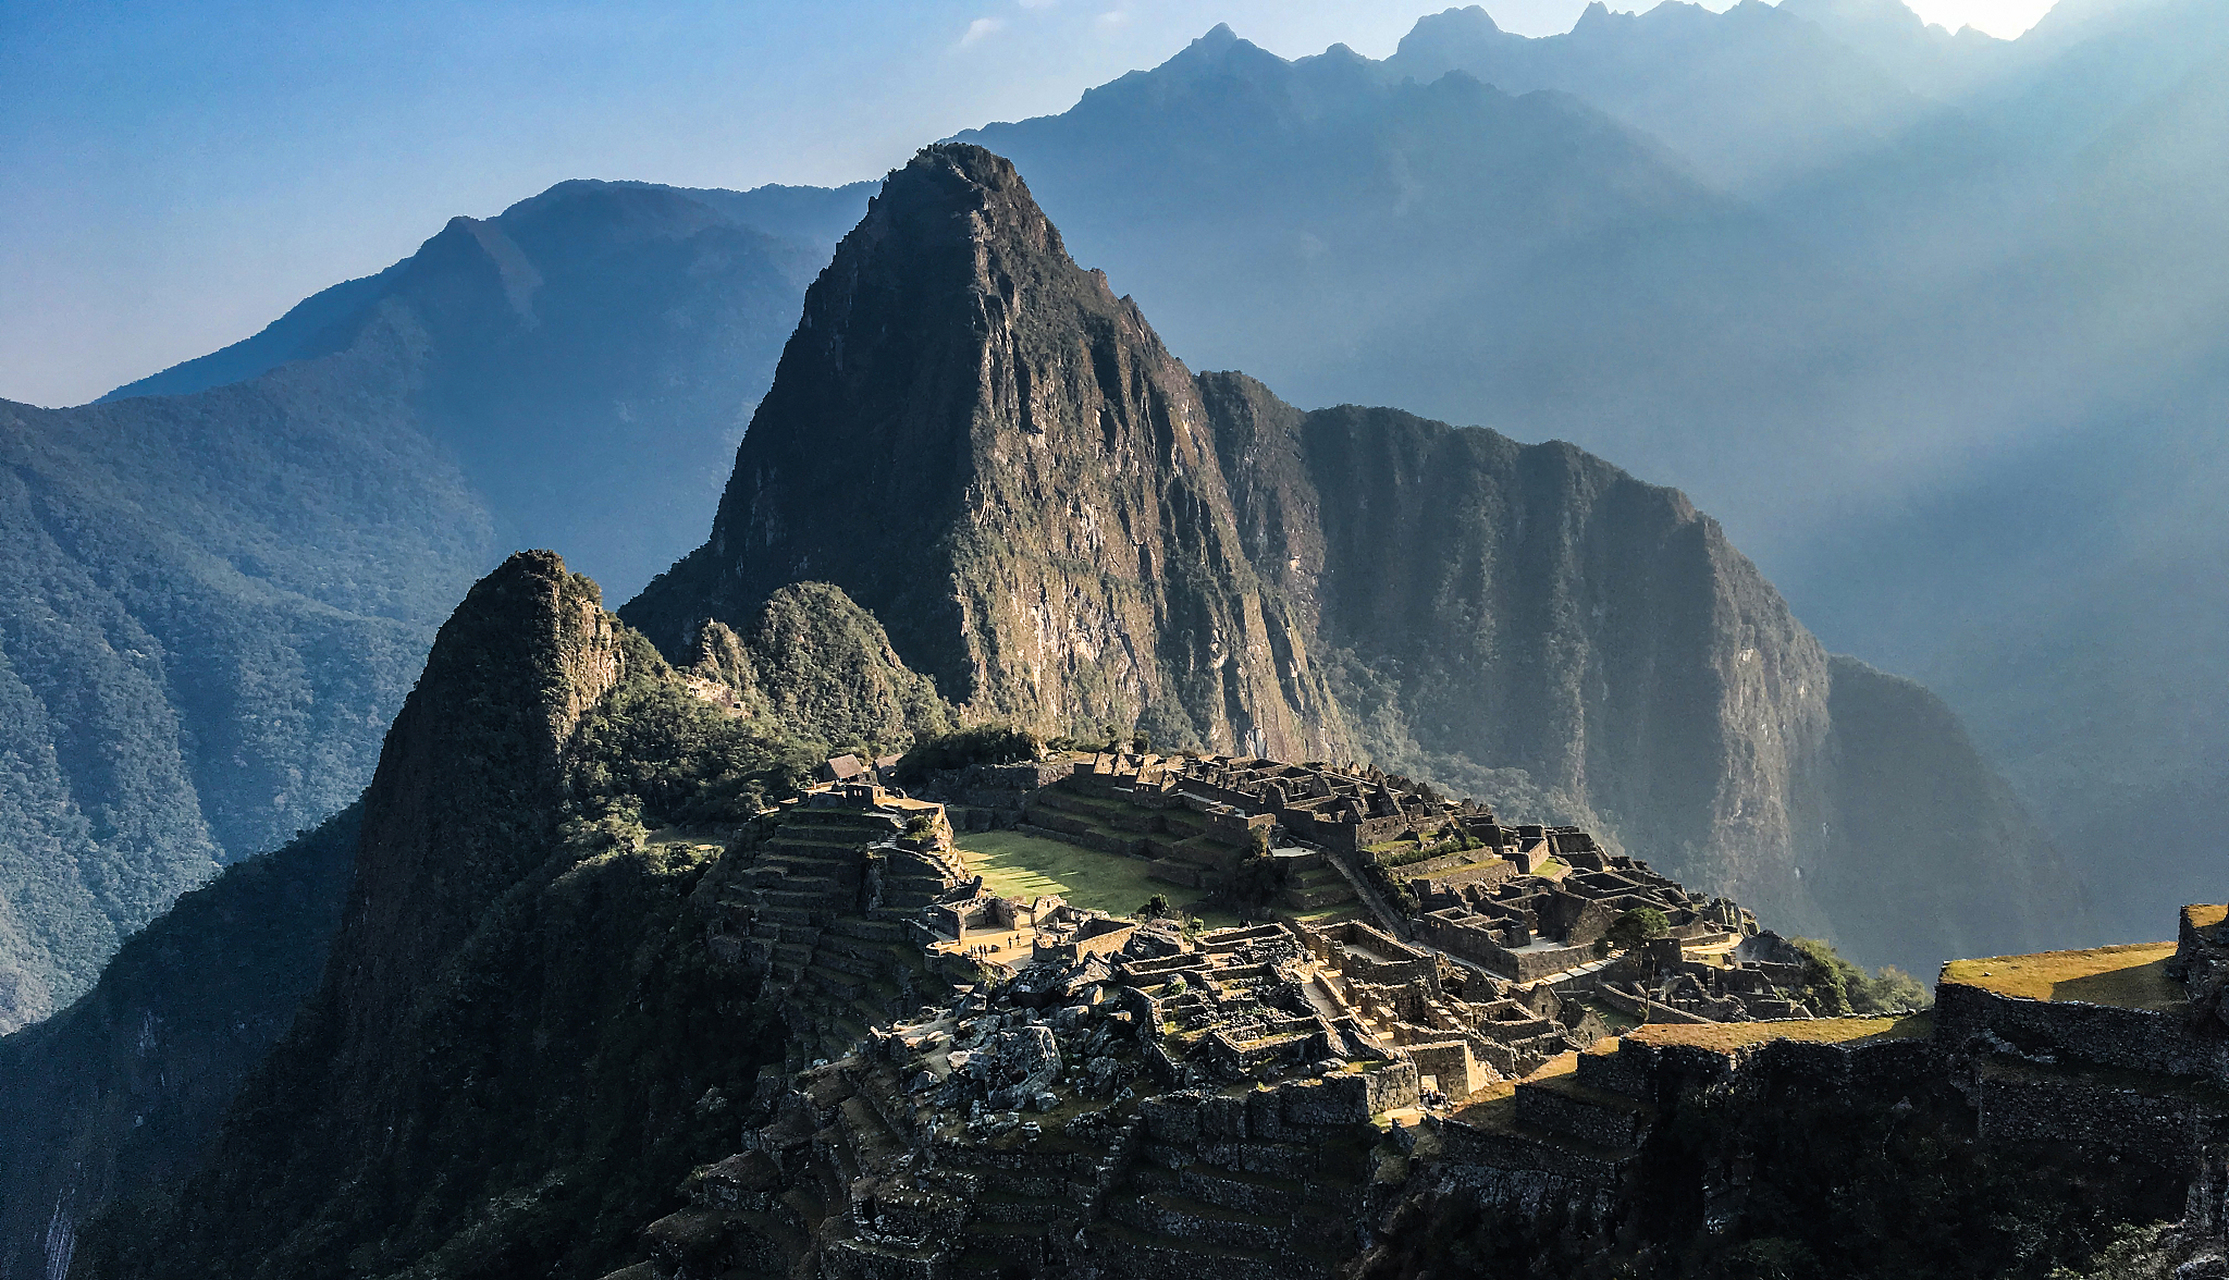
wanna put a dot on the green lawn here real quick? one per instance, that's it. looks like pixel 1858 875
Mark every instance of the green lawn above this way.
pixel 1014 865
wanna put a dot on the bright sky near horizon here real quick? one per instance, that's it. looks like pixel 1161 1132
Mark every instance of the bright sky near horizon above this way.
pixel 174 175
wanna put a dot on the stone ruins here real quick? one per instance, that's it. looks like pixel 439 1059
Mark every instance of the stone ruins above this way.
pixel 1010 1086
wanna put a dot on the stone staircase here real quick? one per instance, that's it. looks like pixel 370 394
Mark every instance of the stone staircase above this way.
pixel 1312 884
pixel 1109 1169
pixel 822 905
pixel 1199 1219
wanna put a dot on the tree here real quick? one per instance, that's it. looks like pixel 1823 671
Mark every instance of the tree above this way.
pixel 1632 929
pixel 1257 842
pixel 1637 926
pixel 1834 986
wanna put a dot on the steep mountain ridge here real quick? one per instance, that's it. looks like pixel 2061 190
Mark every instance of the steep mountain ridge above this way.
pixel 112 1100
pixel 472 756
pixel 588 348
pixel 508 935
pixel 985 448
pixel 1527 622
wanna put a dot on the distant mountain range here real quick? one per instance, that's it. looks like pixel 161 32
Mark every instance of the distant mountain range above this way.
pixel 1931 321
pixel 219 582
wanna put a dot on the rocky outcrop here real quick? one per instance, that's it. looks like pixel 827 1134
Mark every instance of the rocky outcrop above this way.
pixel 469 785
pixel 516 977
pixel 1533 610
pixel 823 667
pixel 982 445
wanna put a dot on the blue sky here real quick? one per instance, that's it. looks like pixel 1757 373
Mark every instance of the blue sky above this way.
pixel 174 175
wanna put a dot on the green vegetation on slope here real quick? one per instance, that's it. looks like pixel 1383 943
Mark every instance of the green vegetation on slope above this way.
pixel 113 1096
pixel 210 608
pixel 521 1047
pixel 574 1026
pixel 1833 987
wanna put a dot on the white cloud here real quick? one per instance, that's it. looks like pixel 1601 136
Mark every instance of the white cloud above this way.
pixel 1113 18
pixel 979 29
pixel 1037 4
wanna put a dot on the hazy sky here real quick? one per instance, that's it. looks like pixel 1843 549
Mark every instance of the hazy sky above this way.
pixel 176 173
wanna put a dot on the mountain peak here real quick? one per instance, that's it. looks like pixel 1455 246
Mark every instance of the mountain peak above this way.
pixel 1054 541
pixel 981 192
pixel 471 770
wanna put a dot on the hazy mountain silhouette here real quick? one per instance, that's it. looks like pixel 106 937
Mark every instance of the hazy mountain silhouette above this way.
pixel 220 580
pixel 1747 97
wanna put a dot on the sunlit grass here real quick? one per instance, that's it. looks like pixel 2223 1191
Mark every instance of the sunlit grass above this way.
pixel 1015 865
pixel 2133 976
pixel 1729 1036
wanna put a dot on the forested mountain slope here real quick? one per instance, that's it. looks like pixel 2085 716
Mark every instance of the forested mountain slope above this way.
pixel 218 582
pixel 208 607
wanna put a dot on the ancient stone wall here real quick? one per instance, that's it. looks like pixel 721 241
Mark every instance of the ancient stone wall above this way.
pixel 2163 1042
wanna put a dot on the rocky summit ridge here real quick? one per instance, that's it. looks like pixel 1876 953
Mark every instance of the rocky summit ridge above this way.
pixel 973 438
pixel 982 445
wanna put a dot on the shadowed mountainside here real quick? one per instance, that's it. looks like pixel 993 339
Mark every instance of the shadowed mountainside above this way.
pixel 520 965
pixel 113 1097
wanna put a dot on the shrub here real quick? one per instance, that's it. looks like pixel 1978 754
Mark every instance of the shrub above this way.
pixel 1835 987
pixel 978 744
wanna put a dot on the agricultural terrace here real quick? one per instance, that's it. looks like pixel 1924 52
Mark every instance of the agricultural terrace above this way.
pixel 1726 1037
pixel 2133 976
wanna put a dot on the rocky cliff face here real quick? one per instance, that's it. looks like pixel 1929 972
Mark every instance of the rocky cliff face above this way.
pixel 1530 623
pixel 469 784
pixel 995 456
pixel 987 449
